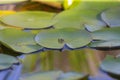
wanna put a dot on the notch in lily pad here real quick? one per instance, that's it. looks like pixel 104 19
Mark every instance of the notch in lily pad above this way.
pixel 29 19
pixel 58 38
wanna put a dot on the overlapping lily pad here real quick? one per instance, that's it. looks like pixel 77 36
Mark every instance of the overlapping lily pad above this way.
pixel 105 45
pixel 29 19
pixel 78 19
pixel 111 65
pixel 107 34
pixel 58 38
pixel 99 5
pixel 106 39
pixel 112 17
pixel 19 40
pixel 7 61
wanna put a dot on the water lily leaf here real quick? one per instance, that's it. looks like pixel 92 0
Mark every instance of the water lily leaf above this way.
pixel 6 61
pixel 105 45
pixel 29 19
pixel 19 40
pixel 51 75
pixel 112 17
pixel 107 34
pixel 73 76
pixel 111 65
pixel 3 13
pixel 57 38
pixel 11 1
pixel 78 19
pixel 99 5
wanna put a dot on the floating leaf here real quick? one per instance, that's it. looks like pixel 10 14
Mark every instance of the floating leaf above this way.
pixel 29 19
pixel 78 19
pixel 105 45
pixel 55 75
pixel 57 38
pixel 6 61
pixel 73 76
pixel 3 13
pixel 19 40
pixel 112 17
pixel 107 39
pixel 51 75
pixel 11 1
pixel 97 4
pixel 111 65
pixel 107 34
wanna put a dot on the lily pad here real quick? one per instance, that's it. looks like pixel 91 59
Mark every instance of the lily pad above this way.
pixel 51 75
pixel 78 19
pixel 111 65
pixel 107 34
pixel 6 61
pixel 105 45
pixel 73 76
pixel 99 5
pixel 11 1
pixel 58 38
pixel 112 16
pixel 29 19
pixel 55 75
pixel 19 40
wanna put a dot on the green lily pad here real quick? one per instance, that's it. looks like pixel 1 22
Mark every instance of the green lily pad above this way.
pixel 57 38
pixel 10 1
pixel 112 17
pixel 107 34
pixel 55 75
pixel 19 40
pixel 51 75
pixel 105 45
pixel 73 76
pixel 99 5
pixel 78 19
pixel 29 19
pixel 111 65
pixel 6 61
